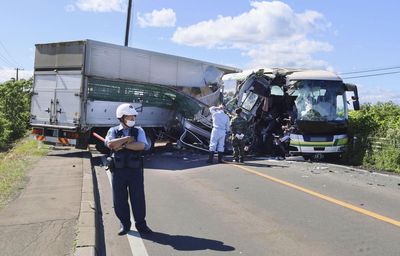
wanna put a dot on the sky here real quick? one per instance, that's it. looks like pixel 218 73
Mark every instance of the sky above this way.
pixel 340 36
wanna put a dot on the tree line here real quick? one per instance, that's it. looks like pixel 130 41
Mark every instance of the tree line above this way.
pixel 15 102
pixel 375 133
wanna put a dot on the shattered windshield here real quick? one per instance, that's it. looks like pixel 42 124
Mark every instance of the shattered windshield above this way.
pixel 319 100
pixel 250 101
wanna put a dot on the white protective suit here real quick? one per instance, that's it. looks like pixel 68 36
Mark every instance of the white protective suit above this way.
pixel 220 127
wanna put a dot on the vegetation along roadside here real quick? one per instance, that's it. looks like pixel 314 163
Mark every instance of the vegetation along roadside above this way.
pixel 14 165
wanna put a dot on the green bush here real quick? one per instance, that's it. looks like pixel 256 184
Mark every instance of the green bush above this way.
pixel 15 101
pixel 376 136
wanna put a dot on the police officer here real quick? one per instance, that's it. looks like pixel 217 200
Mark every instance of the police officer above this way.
pixel 218 132
pixel 127 143
pixel 238 126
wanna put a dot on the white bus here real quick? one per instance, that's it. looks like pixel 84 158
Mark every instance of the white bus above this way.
pixel 314 100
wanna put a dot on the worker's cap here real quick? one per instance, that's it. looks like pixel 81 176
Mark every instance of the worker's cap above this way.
pixel 126 109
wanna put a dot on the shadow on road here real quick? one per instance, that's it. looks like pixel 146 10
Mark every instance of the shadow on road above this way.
pixel 185 243
pixel 69 154
pixel 263 165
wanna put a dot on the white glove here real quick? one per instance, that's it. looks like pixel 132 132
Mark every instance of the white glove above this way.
pixel 239 136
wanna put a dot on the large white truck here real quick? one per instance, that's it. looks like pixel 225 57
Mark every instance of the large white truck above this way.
pixel 315 102
pixel 78 86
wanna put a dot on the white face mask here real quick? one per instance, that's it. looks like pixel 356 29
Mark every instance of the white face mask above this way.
pixel 130 123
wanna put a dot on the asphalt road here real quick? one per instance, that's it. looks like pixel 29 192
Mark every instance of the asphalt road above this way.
pixel 263 207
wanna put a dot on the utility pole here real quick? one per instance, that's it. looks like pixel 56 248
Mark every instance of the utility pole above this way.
pixel 128 22
pixel 17 69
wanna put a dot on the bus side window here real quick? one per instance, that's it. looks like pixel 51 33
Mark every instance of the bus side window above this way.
pixel 339 106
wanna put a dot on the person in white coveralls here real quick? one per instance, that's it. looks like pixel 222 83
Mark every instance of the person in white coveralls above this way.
pixel 220 128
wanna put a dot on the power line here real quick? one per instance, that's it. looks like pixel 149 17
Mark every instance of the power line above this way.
pixel 6 61
pixel 369 70
pixel 379 74
pixel 8 53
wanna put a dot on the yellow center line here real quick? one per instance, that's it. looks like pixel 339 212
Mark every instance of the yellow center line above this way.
pixel 324 197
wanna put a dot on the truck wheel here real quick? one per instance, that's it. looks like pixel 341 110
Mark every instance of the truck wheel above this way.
pixel 83 141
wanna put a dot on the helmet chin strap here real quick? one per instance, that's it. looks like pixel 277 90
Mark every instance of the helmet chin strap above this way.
pixel 124 122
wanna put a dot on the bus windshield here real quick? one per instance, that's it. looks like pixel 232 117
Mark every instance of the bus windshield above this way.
pixel 319 100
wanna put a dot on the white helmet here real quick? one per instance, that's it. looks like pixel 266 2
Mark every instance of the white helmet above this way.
pixel 126 109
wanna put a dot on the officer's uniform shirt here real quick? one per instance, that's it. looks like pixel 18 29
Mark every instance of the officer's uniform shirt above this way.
pixel 126 132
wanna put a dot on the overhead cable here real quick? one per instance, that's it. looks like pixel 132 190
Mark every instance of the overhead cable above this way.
pixel 13 62
pixel 379 74
pixel 369 70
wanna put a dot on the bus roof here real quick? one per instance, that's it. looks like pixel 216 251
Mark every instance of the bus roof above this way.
pixel 292 74
pixel 314 75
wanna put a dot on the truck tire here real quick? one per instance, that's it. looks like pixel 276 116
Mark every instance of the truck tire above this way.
pixel 83 141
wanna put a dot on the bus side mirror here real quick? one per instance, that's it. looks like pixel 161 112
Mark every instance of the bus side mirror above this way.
pixel 353 88
pixel 356 103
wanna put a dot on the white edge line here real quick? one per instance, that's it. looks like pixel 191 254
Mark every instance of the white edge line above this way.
pixel 134 238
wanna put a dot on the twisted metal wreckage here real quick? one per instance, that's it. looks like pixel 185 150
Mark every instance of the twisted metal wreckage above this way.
pixel 78 85
pixel 289 112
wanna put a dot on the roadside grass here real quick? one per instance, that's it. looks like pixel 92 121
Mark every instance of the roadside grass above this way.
pixel 15 163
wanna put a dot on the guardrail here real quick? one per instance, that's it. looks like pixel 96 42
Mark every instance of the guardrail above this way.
pixel 379 143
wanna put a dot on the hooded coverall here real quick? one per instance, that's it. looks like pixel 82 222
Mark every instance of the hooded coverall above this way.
pixel 220 127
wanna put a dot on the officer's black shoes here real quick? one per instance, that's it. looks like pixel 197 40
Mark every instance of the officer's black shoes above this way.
pixel 144 229
pixel 123 231
pixel 241 160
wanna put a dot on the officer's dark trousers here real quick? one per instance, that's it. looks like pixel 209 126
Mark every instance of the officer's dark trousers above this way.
pixel 129 182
